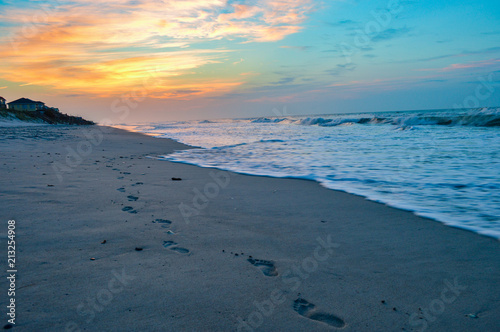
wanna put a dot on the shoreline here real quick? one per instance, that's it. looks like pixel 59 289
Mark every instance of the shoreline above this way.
pixel 443 221
pixel 415 213
pixel 321 259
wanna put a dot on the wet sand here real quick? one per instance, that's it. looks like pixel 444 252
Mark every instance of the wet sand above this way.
pixel 109 238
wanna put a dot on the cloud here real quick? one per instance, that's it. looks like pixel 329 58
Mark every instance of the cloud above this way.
pixel 391 33
pixel 107 47
pixel 340 69
pixel 74 95
pixel 285 80
pixel 342 23
pixel 347 22
pixel 72 67
pixel 491 63
pixel 250 74
pixel 485 51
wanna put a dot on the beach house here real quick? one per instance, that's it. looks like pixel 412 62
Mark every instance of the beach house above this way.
pixel 2 103
pixel 25 104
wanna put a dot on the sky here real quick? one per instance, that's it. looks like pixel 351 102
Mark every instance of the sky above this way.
pixel 131 61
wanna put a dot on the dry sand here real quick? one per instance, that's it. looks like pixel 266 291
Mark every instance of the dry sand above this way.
pixel 251 253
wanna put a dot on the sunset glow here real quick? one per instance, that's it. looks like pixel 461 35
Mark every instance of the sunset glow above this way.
pixel 254 54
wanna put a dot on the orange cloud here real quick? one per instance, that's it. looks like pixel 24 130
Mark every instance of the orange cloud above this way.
pixel 64 69
pixel 107 47
pixel 240 12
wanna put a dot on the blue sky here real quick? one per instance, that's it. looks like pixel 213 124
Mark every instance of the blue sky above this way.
pixel 170 60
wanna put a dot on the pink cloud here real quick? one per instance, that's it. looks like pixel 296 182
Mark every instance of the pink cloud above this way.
pixel 469 65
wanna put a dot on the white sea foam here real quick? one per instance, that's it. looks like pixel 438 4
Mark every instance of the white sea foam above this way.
pixel 443 165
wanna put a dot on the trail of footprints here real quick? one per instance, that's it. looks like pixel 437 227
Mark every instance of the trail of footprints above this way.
pixel 171 245
pixel 268 268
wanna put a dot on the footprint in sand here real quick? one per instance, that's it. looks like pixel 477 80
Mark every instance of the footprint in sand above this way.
pixel 122 190
pixel 129 209
pixel 173 246
pixel 162 221
pixel 165 223
pixel 132 198
pixel 167 244
pixel 180 250
pixel 308 310
pixel 267 267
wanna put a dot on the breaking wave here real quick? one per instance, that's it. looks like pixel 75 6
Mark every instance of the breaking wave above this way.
pixel 486 117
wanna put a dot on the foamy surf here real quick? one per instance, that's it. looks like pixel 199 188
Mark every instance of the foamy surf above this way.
pixel 442 165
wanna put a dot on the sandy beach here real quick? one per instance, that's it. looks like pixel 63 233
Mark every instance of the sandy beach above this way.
pixel 109 238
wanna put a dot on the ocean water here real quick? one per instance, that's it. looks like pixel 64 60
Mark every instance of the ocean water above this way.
pixel 444 165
